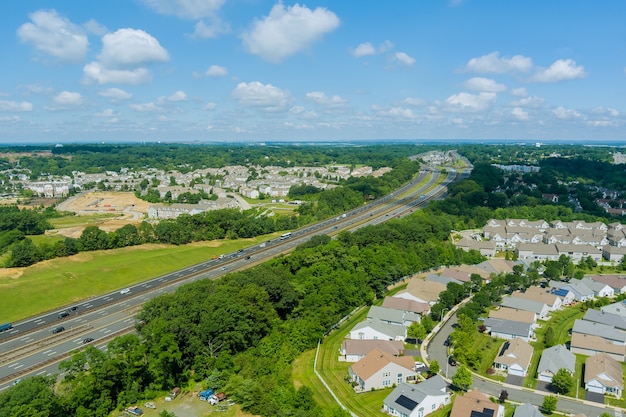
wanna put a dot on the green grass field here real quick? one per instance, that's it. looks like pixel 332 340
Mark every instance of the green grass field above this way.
pixel 75 221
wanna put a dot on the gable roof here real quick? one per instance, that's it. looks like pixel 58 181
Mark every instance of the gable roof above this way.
pixel 555 358
pixel 618 308
pixel 391 330
pixel 537 294
pixel 386 314
pixel 377 360
pixel 515 314
pixel 406 397
pixel 605 369
pixel 598 329
pixel 527 410
pixel 474 404
pixel 616 282
pixel 516 328
pixel 523 304
pixel 515 351
pixel 363 347
pixel 406 305
pixel 597 316
pixel 596 344
pixel 427 291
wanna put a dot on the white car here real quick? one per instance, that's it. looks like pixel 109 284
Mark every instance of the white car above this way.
pixel 125 291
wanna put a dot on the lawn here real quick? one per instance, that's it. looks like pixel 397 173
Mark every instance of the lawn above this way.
pixel 58 282
pixel 75 221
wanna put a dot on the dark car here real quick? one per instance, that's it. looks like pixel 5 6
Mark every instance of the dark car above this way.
pixel 74 308
pixel 448 341
pixel 63 314
pixel 247 257
pixel 87 340
pixel 58 329
pixel 452 361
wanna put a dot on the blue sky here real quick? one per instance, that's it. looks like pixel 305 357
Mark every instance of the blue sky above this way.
pixel 256 70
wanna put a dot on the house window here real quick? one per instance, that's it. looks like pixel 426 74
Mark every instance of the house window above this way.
pixel 361 336
pixel 399 378
pixel 386 374
pixel 386 382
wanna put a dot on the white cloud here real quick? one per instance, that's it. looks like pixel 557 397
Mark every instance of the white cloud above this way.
pixel 414 102
pixel 176 97
pixel 115 94
pixel 186 9
pixel 519 92
pixel 216 71
pixel 286 31
pixel 484 84
pixel 37 89
pixel 471 102
pixel 95 71
pixel 397 112
pixel 385 46
pixel 492 63
pixel 68 99
pixel 96 28
pixel 560 70
pixel 321 98
pixel 146 107
pixel 532 101
pixel 130 47
pixel 55 35
pixel 263 96
pixel 566 114
pixel 210 106
pixel 15 106
pixel 520 113
pixel 212 29
pixel 106 113
pixel 403 59
pixel 364 49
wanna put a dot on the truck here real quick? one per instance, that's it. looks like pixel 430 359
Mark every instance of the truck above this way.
pixel 6 326
pixel 134 410
pixel 173 394
pixel 206 394
pixel 216 398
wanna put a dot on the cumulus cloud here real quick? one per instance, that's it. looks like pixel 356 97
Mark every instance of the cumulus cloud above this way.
pixel 68 99
pixel 211 29
pixel 106 113
pixel 115 94
pixel 519 92
pixel 55 35
pixel 288 30
pixel 146 107
pixel 364 49
pixel 131 47
pixel 471 102
pixel 532 101
pixel 484 84
pixel 566 114
pixel 96 72
pixel 396 112
pixel 321 98
pixel 210 106
pixel 403 59
pixel 176 97
pixel 560 70
pixel 15 106
pixel 263 96
pixel 414 102
pixel 94 27
pixel 37 89
pixel 492 63
pixel 186 9
pixel 216 71
pixel 519 113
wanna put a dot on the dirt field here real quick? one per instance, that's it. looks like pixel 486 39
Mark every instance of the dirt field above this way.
pixel 127 209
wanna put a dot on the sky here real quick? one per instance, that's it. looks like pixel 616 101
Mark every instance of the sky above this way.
pixel 255 70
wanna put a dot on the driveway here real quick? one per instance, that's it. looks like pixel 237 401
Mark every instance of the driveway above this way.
pixel 543 386
pixel 515 380
pixel 595 397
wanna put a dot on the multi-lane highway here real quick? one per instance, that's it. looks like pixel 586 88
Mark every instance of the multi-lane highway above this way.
pixel 31 347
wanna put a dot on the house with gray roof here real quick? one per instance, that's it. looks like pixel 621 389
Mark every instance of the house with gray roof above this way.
pixel 555 358
pixel 417 400
pixel 613 253
pixel 392 316
pixel 617 282
pixel 507 329
pixel 599 316
pixel 485 247
pixel 580 290
pixel 600 289
pixel 598 329
pixel 618 308
pixel 527 410
pixel 589 345
pixel 445 280
pixel 404 304
pixel 540 309
pixel 376 329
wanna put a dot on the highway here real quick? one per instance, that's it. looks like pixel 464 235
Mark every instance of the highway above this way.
pixel 30 348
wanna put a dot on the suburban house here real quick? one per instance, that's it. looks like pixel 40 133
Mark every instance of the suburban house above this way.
pixel 580 290
pixel 508 329
pixel 514 357
pixel 355 350
pixel 485 247
pixel 540 309
pixel 527 410
pixel 379 369
pixel 377 330
pixel 599 329
pixel 598 316
pixel 423 291
pixel 403 304
pixel 567 297
pixel 441 279
pixel 603 375
pixel 392 316
pixel 600 289
pixel 514 314
pixel 618 283
pixel 555 358
pixel 475 404
pixel 618 308
pixel 589 345
pixel 497 266
pixel 417 400
pixel 541 295
pixel 613 253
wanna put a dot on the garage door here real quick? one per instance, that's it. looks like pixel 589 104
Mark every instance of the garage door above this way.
pixel 598 390
pixel 514 370
pixel 545 378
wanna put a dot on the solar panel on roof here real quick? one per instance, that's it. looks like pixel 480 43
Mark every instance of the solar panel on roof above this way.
pixel 406 402
pixel 485 413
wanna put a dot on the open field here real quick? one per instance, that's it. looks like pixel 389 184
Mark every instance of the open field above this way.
pixel 58 282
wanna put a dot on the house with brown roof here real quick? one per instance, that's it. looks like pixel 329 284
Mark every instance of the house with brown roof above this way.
pixel 404 304
pixel 514 357
pixel 422 291
pixel 475 404
pixel 589 345
pixel 603 375
pixel 541 295
pixel 355 350
pixel 617 282
pixel 485 247
pixel 379 369
pixel 514 314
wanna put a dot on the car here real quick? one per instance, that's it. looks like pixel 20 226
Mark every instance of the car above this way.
pixel 448 341
pixel 74 308
pixel 247 257
pixel 223 268
pixel 452 361
pixel 87 340
pixel 63 314
pixel 58 329
pixel 125 291
pixel 240 250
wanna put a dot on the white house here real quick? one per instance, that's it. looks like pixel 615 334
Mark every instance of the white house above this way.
pixel 376 329
pixel 417 400
pixel 379 369
pixel 603 375
pixel 514 357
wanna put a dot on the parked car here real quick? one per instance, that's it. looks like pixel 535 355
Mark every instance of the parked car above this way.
pixel 58 329
pixel 448 341
pixel 452 361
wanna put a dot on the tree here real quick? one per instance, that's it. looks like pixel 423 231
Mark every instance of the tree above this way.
pixel 462 378
pixel 24 253
pixel 417 331
pixel 548 338
pixel 504 395
pixel 549 404
pixel 434 367
pixel 562 381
